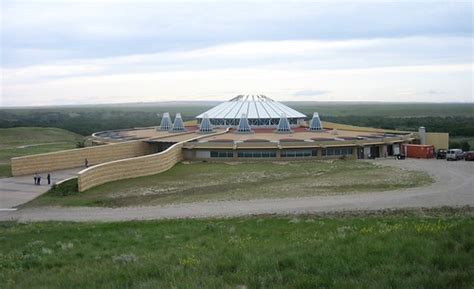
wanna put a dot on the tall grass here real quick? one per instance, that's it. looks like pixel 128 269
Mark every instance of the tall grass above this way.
pixel 432 249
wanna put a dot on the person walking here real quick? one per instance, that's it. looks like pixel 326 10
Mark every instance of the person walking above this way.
pixel 49 179
pixel 86 163
pixel 39 180
pixel 35 177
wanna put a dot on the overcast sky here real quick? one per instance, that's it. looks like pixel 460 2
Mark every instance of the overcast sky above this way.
pixel 77 52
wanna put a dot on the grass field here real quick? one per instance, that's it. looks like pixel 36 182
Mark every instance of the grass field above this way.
pixel 22 141
pixel 196 181
pixel 403 249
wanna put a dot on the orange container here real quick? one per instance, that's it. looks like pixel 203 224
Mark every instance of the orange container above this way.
pixel 418 151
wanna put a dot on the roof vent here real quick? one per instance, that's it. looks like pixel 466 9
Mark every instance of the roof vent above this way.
pixel 165 123
pixel 178 123
pixel 205 125
pixel 283 125
pixel 244 126
pixel 315 124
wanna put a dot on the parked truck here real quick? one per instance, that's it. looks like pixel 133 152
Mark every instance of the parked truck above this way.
pixel 419 151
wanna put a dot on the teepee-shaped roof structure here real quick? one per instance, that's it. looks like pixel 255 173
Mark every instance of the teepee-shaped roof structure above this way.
pixel 315 124
pixel 283 124
pixel 206 125
pixel 261 111
pixel 244 124
pixel 165 123
pixel 178 124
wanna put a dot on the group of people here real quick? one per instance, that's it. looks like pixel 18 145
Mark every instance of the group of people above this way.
pixel 37 179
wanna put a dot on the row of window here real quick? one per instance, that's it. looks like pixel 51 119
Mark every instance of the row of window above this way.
pixel 337 151
pixel 256 154
pixel 222 154
pixel 298 153
pixel 283 154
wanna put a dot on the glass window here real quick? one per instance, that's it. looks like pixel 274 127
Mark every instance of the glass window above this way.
pixel 296 153
pixel 337 151
pixel 222 154
pixel 256 154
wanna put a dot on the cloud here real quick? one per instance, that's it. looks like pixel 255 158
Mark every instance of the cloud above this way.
pixel 375 69
pixel 310 92
pixel 89 29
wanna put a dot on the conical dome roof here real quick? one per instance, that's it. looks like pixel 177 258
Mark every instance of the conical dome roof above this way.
pixel 259 109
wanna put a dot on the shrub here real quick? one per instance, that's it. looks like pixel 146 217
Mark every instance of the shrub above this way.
pixel 64 189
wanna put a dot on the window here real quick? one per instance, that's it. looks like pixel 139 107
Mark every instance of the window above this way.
pixel 256 154
pixel 298 153
pixel 222 154
pixel 338 151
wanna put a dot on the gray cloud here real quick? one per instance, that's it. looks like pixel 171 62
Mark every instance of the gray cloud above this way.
pixel 310 92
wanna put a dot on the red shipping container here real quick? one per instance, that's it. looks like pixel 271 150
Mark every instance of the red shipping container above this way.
pixel 418 151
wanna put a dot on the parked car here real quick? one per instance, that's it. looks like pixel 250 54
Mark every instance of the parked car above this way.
pixel 469 156
pixel 454 155
pixel 441 154
pixel 400 157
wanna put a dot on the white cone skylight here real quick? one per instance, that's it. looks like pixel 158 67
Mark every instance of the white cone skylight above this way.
pixel 165 123
pixel 178 123
pixel 315 124
pixel 244 124
pixel 205 124
pixel 283 125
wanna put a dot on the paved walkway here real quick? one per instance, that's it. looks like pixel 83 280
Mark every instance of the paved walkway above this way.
pixel 18 190
pixel 454 186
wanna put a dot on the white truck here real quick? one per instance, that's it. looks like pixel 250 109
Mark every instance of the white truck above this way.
pixel 454 155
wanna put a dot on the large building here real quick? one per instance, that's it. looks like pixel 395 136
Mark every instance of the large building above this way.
pixel 256 127
pixel 244 128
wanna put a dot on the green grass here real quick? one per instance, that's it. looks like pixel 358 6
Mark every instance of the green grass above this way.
pixel 22 141
pixel 196 181
pixel 405 249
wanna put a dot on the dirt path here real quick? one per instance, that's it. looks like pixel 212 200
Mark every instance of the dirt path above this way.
pixel 454 186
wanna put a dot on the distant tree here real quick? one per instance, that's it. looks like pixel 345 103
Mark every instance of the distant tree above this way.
pixel 454 145
pixel 465 146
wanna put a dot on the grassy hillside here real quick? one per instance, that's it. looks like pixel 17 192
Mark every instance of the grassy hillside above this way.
pixel 191 182
pixel 22 141
pixel 404 249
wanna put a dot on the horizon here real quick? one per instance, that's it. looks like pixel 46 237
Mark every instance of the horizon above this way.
pixel 99 52
pixel 212 102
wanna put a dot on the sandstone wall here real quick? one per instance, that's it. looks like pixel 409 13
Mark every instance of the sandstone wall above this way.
pixel 134 167
pixel 130 168
pixel 47 162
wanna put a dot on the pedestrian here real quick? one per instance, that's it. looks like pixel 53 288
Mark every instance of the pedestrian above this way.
pixel 49 179
pixel 39 180
pixel 36 178
pixel 86 163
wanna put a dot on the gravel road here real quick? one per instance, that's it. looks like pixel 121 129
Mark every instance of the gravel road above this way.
pixel 454 186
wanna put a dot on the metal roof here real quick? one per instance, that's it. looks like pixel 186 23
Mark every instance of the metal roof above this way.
pixel 254 106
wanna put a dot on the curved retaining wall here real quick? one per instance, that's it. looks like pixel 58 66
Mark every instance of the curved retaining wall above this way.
pixel 133 167
pixel 75 158
pixel 130 168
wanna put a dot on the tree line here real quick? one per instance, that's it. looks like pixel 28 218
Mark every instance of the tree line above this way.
pixel 88 121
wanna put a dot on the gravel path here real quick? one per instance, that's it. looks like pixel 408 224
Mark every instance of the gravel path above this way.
pixel 454 186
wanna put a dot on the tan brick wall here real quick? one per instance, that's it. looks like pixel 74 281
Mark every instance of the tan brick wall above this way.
pixel 133 167
pixel 130 168
pixel 75 158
